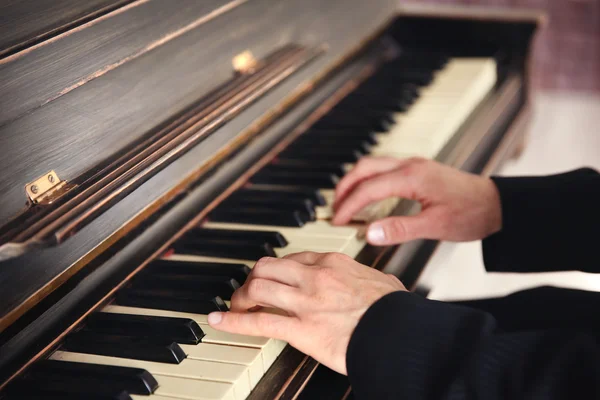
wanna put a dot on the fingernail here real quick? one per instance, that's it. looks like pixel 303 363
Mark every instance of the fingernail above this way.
pixel 376 234
pixel 215 318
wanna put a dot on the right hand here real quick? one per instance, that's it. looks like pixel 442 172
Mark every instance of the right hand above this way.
pixel 314 302
pixel 455 206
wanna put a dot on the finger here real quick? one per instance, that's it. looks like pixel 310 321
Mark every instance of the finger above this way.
pixel 254 324
pixel 266 293
pixel 394 230
pixel 304 257
pixel 364 169
pixel 377 188
pixel 282 270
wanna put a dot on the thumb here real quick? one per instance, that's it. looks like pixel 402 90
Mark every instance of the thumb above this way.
pixel 394 230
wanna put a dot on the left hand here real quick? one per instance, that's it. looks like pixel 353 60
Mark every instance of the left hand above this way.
pixel 322 296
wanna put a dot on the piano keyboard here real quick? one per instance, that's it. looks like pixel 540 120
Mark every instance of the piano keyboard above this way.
pixel 153 341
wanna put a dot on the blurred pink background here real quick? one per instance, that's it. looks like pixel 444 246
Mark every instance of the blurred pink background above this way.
pixel 567 50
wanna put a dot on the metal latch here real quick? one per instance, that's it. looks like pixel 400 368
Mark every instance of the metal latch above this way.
pixel 46 188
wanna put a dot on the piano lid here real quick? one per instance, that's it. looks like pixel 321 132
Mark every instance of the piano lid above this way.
pixel 100 96
pixel 81 95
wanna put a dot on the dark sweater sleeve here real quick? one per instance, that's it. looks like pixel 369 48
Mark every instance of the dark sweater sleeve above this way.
pixel 549 223
pixel 408 347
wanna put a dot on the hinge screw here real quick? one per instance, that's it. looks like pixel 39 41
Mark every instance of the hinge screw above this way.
pixel 51 178
pixel 34 189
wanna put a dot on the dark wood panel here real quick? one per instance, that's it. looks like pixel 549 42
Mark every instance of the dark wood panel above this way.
pixel 32 78
pixel 19 276
pixel 26 22
pixel 79 128
pixel 85 126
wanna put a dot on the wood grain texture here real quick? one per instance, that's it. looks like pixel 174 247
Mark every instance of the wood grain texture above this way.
pixel 17 279
pixel 26 22
pixel 146 244
pixel 33 78
pixel 84 126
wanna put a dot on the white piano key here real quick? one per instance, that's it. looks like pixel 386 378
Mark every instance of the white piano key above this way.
pixel 316 228
pixel 370 213
pixel 196 258
pixel 249 357
pixel 182 388
pixel 232 375
pixel 428 125
pixel 270 348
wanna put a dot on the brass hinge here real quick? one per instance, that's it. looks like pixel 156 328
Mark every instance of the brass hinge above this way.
pixel 245 63
pixel 46 188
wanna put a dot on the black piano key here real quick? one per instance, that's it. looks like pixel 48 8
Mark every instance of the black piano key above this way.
pixel 223 249
pixel 380 91
pixel 340 145
pixel 331 169
pixel 357 115
pixel 313 166
pixel 392 103
pixel 239 272
pixel 259 217
pixel 421 59
pixel 368 111
pixel 180 296
pixel 310 141
pixel 83 378
pixel 32 392
pixel 180 330
pixel 361 112
pixel 123 347
pixel 307 179
pixel 331 156
pixel 304 206
pixel 280 193
pixel 203 303
pixel 340 135
pixel 222 286
pixel 401 75
pixel 341 123
pixel 273 238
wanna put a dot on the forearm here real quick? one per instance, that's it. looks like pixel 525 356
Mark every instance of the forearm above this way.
pixel 549 223
pixel 409 347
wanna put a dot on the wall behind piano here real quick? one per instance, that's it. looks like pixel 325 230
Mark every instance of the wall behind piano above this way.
pixel 567 50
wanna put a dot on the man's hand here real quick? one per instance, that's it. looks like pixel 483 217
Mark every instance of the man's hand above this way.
pixel 456 206
pixel 322 297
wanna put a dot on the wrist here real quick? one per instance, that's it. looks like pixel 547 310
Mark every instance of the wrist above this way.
pixel 494 207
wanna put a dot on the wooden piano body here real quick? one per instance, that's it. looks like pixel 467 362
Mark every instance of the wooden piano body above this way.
pixel 123 124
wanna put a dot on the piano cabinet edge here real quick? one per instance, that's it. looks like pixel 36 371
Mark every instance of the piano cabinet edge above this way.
pixel 302 366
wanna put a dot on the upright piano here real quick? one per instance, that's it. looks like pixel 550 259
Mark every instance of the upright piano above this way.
pixel 152 151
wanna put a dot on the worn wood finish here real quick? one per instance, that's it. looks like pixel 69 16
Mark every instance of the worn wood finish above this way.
pixel 42 331
pixel 27 22
pixel 81 128
pixel 38 75
pixel 124 174
pixel 88 124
